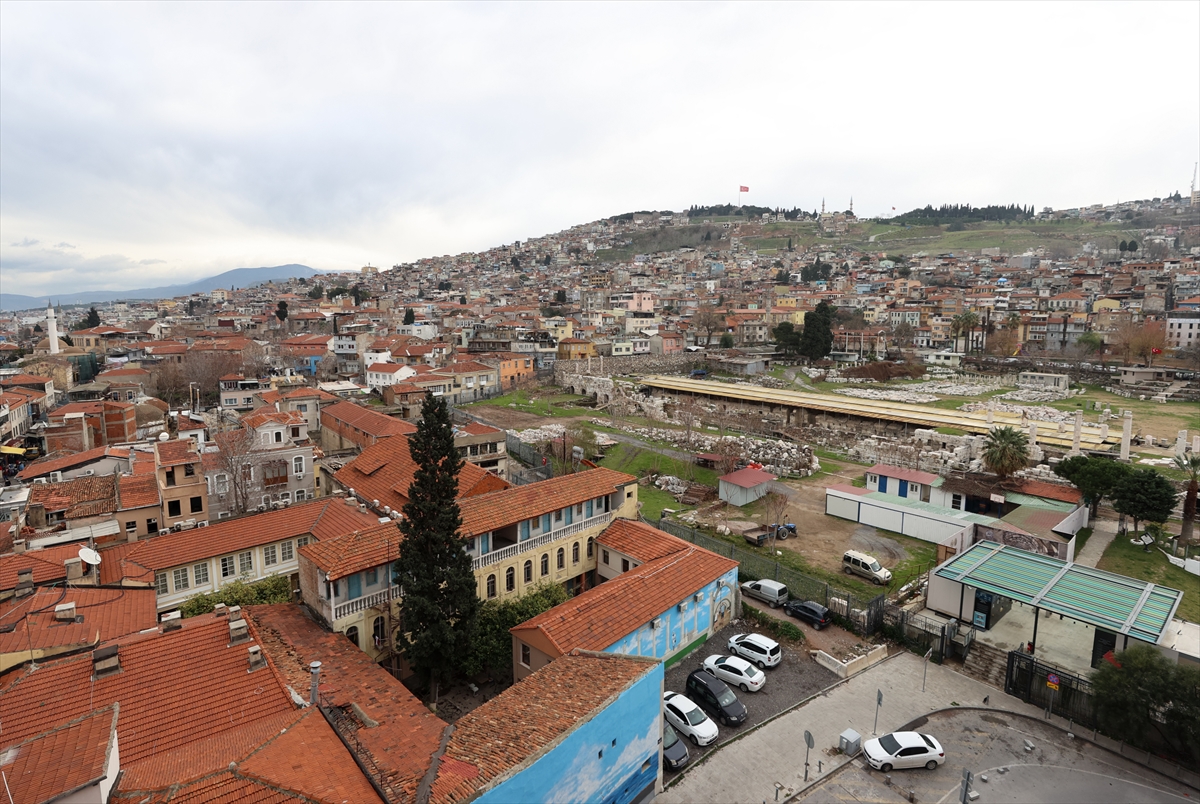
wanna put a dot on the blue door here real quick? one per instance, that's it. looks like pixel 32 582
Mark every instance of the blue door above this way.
pixel 903 488
pixel 589 509
pixel 883 484
pixel 354 586
pixel 570 514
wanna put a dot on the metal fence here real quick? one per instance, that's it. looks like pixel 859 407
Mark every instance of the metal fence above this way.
pixel 861 614
pixel 1028 679
pixel 915 632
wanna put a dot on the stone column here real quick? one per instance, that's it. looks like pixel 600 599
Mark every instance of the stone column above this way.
pixel 1104 430
pixel 1196 445
pixel 1126 434
pixel 991 412
pixel 1078 432
pixel 1181 443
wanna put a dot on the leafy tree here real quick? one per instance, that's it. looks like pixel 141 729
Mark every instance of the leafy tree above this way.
pixel 817 339
pixel 275 589
pixel 37 328
pixel 1123 247
pixel 439 605
pixel 560 297
pixel 782 277
pixel 409 316
pixel 1096 478
pixel 516 262
pixel 92 320
pixel 333 293
pixel 281 311
pixel 789 245
pixel 1141 692
pixel 786 337
pixel 462 299
pixel 1145 495
pixel 491 650
pixel 1133 246
pixel 708 319
pixel 1006 451
pixel 1190 466
pixel 1091 343
pixel 316 292
pixel 726 341
pixel 444 285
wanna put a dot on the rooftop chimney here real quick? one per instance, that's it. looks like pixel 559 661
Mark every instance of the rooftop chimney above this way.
pixel 235 612
pixel 105 661
pixel 238 631
pixel 220 610
pixel 64 612
pixel 171 621
pixel 24 582
pixel 257 660
pixel 74 568
pixel 18 546
pixel 315 669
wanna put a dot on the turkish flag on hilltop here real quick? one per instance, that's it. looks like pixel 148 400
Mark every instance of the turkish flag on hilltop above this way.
pixel 743 189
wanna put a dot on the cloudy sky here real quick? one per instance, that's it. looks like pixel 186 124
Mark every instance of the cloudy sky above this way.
pixel 145 144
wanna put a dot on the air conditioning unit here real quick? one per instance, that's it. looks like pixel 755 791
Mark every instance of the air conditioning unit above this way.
pixel 40 480
pixel 300 476
pixel 178 526
pixel 56 477
pixel 656 622
pixel 164 531
pixel 89 472
pixel 682 606
pixel 698 597
pixel 203 523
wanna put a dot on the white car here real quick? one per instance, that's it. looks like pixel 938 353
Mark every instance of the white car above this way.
pixel 762 651
pixel 688 719
pixel 904 749
pixel 736 672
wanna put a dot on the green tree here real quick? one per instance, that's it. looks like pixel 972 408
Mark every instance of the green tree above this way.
pixel 92 319
pixel 1096 478
pixel 786 337
pixel 1141 692
pixel 1006 451
pixel 439 604
pixel 560 297
pixel 726 341
pixel 275 589
pixel 1190 466
pixel 491 650
pixel 1123 247
pixel 1144 495
pixel 316 292
pixel 817 339
pixel 281 311
pixel 1133 246
pixel 1091 343
pixel 782 277
pixel 409 316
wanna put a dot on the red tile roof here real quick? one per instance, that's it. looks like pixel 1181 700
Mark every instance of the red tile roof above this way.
pixel 406 735
pixel 385 470
pixel 77 498
pixel 487 512
pixel 137 491
pixel 528 719
pixel 100 614
pixel 46 563
pixel 61 760
pixel 355 552
pixel 174 453
pixel 910 475
pixel 1051 491
pixel 475 428
pixel 257 418
pixel 747 478
pixel 322 519
pixel 605 614
pixel 639 540
pixel 368 421
pixel 58 463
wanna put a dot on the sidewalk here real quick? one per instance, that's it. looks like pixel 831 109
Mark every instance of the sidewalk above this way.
pixel 1103 533
pixel 747 769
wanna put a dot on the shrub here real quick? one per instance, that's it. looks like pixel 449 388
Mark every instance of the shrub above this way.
pixel 276 589
pixel 779 628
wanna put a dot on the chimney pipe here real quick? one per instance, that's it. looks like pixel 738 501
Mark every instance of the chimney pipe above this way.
pixel 313 697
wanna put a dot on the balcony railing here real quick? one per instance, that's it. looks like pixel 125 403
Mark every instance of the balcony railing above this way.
pixel 505 553
pixel 365 602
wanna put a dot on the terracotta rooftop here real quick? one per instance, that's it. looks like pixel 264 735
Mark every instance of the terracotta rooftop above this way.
pixel 487 512
pixel 137 491
pixel 355 552
pixel 603 615
pixel 367 421
pixel 174 453
pixel 406 735
pixel 77 498
pixel 747 478
pixel 385 470
pixel 322 519
pixel 58 463
pixel 46 563
pixel 475 428
pixel 528 718
pixel 263 416
pixel 100 614
pixel 639 540
pixel 61 760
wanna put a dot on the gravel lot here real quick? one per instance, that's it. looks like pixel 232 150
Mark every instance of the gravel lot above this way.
pixel 791 681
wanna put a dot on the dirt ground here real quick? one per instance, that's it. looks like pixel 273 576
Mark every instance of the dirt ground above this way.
pixel 508 419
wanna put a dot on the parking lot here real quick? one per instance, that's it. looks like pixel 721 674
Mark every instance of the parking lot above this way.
pixel 794 679
pixel 1057 770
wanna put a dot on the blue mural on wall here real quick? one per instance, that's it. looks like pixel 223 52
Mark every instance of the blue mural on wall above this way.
pixel 611 758
pixel 679 627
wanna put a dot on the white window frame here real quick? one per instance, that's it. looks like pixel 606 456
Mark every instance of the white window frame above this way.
pixel 245 562
pixel 298 465
pixel 180 574
pixel 300 495
pixel 200 573
pixel 160 583
pixel 270 555
pixel 228 567
pixel 222 483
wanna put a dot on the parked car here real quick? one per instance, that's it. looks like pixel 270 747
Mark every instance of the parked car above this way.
pixel 763 651
pixel 773 593
pixel 715 696
pixel 856 563
pixel 810 612
pixel 736 671
pixel 688 719
pixel 904 749
pixel 675 753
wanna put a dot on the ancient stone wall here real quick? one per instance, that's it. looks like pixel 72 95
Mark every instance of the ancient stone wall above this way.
pixel 632 364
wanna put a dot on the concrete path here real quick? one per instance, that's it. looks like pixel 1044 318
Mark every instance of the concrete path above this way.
pixel 746 770
pixel 1103 533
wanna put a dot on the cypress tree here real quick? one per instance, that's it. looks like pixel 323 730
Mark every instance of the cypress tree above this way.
pixel 439 605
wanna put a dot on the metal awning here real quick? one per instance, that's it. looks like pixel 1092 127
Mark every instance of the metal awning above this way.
pixel 1116 603
pixel 11 451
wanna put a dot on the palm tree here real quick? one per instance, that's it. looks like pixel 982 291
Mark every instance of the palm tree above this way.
pixel 1006 451
pixel 969 322
pixel 956 327
pixel 1191 467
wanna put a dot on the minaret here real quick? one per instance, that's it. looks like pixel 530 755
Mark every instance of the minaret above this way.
pixel 52 328
pixel 822 206
pixel 851 205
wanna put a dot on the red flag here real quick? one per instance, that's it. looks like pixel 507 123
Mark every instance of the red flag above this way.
pixel 743 189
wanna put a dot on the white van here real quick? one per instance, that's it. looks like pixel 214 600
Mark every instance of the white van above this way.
pixel 856 563
pixel 771 592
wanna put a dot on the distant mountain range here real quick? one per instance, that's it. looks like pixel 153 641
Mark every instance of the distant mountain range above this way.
pixel 237 278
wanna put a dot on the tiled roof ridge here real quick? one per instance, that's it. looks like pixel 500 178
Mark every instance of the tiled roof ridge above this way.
pixel 66 724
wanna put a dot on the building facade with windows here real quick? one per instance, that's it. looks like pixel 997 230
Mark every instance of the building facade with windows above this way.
pixel 181 485
pixel 277 468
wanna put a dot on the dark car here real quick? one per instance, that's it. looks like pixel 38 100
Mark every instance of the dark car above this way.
pixel 810 612
pixel 675 753
pixel 714 695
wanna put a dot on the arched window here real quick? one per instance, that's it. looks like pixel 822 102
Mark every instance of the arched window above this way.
pixel 510 579
pixel 378 634
pixel 528 572
pixel 545 563
pixel 575 553
pixel 591 547
pixel 491 586
pixel 560 560
pixel 352 634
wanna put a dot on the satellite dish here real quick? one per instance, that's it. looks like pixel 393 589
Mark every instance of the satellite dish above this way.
pixel 164 436
pixel 89 556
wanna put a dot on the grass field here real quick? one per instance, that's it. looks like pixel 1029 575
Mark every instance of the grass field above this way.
pixel 1127 559
pixel 540 404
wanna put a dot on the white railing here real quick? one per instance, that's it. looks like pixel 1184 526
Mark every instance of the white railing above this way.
pixel 504 553
pixel 365 602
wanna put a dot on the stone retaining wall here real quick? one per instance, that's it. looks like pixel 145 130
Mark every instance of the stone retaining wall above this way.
pixel 632 364
pixel 853 666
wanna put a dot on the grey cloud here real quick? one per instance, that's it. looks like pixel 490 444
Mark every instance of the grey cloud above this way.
pixel 26 243
pixel 64 244
pixel 151 262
